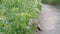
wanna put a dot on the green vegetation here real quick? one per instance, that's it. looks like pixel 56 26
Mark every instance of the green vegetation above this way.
pixel 55 2
pixel 15 16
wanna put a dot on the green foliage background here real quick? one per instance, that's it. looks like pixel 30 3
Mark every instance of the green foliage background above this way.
pixel 55 2
pixel 15 16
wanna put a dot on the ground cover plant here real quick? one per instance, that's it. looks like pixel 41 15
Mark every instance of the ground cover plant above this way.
pixel 54 2
pixel 15 16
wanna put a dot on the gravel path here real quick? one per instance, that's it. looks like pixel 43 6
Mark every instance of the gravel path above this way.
pixel 50 20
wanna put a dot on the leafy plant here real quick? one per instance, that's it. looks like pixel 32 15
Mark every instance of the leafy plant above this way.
pixel 15 16
pixel 55 2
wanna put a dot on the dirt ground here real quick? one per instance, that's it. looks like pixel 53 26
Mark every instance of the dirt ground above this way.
pixel 50 20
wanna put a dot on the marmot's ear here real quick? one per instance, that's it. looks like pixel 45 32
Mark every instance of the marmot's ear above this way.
pixel 39 29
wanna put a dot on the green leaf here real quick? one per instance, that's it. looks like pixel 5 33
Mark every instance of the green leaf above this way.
pixel 15 16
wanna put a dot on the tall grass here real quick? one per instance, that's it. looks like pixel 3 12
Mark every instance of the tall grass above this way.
pixel 55 2
pixel 15 16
